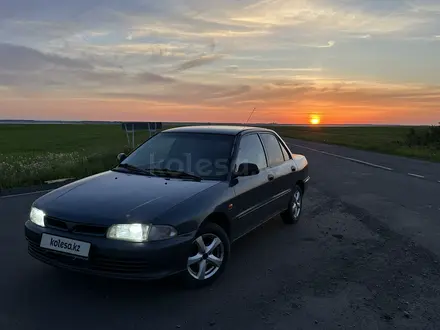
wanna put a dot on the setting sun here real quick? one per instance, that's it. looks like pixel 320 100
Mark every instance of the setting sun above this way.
pixel 315 119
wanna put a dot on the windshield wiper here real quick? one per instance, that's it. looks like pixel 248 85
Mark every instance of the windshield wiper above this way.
pixel 178 174
pixel 133 168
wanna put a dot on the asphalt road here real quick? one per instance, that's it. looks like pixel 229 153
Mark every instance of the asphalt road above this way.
pixel 364 256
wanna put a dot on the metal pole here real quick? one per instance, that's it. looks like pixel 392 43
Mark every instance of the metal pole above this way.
pixel 126 133
pixel 132 132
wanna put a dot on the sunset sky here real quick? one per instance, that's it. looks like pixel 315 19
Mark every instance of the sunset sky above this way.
pixel 345 61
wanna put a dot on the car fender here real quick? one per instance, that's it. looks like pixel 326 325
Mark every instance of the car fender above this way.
pixel 300 161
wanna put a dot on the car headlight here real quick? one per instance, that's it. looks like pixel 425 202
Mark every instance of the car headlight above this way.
pixel 137 232
pixel 37 216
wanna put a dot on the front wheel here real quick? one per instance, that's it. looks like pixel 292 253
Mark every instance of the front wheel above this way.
pixel 293 212
pixel 208 256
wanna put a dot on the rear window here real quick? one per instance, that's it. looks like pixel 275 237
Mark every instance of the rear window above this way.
pixel 285 152
pixel 273 149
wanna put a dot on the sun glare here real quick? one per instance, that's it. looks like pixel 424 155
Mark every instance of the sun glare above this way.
pixel 315 120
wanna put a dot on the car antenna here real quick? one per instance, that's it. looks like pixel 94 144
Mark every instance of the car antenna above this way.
pixel 253 110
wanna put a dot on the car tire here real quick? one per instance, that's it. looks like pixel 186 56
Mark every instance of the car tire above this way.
pixel 208 256
pixel 293 212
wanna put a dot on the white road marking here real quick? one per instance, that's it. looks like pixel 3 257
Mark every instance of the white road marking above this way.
pixel 416 175
pixel 25 194
pixel 347 158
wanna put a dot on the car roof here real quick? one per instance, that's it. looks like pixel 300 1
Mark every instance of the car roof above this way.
pixel 217 129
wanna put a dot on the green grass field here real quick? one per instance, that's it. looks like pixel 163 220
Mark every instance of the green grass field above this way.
pixel 32 154
pixel 389 140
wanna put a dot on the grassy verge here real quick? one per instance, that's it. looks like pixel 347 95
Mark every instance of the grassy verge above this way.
pixel 32 154
pixel 390 140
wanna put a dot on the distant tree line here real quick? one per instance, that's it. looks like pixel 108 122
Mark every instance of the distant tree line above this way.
pixel 428 137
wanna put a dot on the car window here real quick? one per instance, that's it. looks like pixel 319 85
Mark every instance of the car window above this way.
pixel 285 152
pixel 251 151
pixel 206 155
pixel 273 149
pixel 160 151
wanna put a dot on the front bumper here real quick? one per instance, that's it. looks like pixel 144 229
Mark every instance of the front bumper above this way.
pixel 112 258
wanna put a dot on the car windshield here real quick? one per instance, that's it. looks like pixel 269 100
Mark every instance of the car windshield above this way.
pixel 204 155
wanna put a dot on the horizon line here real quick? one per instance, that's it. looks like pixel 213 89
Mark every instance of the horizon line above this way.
pixel 39 121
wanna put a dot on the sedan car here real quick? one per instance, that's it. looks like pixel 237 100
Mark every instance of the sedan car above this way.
pixel 173 206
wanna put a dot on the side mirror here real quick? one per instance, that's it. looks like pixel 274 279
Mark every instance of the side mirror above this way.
pixel 247 169
pixel 121 157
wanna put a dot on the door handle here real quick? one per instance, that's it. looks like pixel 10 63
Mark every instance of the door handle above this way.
pixel 293 168
pixel 270 177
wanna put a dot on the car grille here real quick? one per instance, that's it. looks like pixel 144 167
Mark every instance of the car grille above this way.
pixel 93 263
pixel 73 227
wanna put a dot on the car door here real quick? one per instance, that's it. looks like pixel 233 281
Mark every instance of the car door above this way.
pixel 292 176
pixel 280 169
pixel 250 203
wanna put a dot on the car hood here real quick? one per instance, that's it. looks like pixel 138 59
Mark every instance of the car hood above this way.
pixel 114 197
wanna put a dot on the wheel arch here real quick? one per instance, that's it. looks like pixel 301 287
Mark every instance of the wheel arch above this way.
pixel 220 219
pixel 300 183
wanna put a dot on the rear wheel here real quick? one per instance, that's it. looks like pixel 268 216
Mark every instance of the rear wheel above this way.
pixel 208 256
pixel 293 213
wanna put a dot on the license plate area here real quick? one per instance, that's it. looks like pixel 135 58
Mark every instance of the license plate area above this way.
pixel 65 245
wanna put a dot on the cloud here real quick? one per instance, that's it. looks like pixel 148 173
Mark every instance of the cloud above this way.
pixel 318 16
pixel 329 44
pixel 80 78
pixel 290 70
pixel 231 68
pixel 152 78
pixel 283 100
pixel 196 29
pixel 200 61
pixel 285 92
pixel 424 6
pixel 101 48
pixel 231 93
pixel 24 68
pixel 185 93
pixel 21 58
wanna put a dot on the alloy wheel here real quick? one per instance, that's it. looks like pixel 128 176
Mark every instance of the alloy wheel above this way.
pixel 296 205
pixel 206 257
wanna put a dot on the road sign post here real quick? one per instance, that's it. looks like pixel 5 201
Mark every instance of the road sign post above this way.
pixel 131 127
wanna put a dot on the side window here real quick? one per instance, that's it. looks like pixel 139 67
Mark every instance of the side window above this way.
pixel 251 151
pixel 273 149
pixel 285 153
